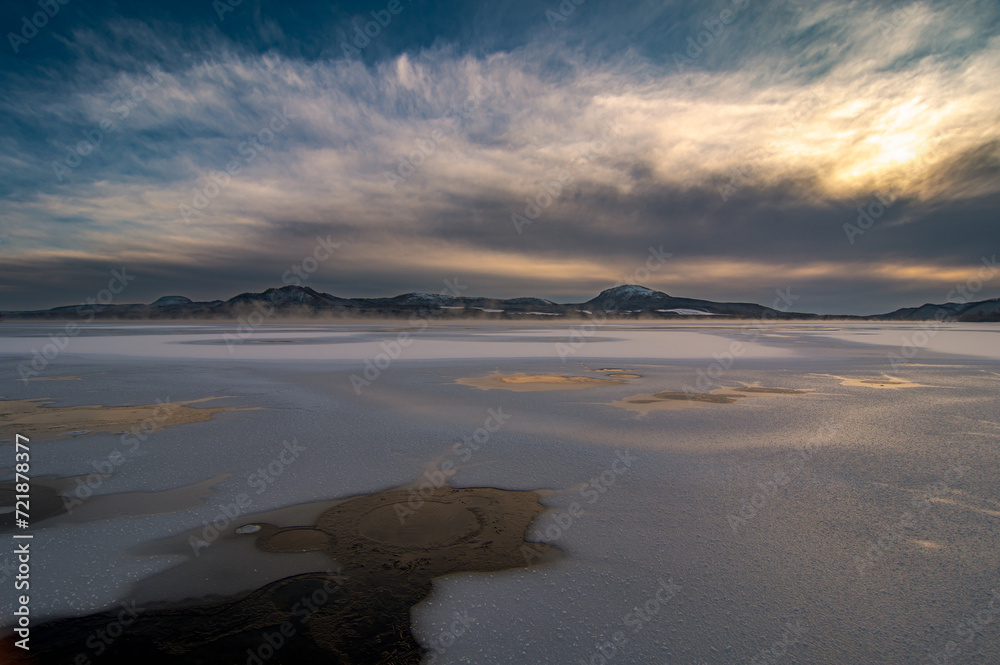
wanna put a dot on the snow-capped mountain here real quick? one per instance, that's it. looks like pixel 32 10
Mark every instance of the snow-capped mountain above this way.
pixel 635 299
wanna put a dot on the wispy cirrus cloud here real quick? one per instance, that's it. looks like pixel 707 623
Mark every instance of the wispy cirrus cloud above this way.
pixel 846 101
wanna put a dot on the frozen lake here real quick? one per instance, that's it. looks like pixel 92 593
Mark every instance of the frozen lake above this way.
pixel 795 493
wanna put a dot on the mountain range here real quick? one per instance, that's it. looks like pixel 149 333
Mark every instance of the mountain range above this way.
pixel 626 301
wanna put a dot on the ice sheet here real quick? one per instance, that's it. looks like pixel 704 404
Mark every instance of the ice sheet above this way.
pixel 768 520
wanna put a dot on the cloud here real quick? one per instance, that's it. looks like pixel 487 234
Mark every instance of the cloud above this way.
pixel 745 162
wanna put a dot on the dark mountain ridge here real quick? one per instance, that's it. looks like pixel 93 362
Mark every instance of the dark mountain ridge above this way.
pixel 625 301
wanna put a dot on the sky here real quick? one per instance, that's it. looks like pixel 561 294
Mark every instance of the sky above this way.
pixel 847 153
